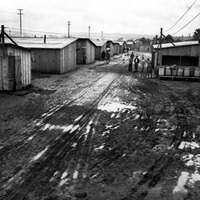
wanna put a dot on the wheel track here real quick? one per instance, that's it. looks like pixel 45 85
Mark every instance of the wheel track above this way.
pixel 59 146
pixel 38 124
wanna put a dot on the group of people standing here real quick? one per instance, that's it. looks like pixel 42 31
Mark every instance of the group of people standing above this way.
pixel 142 63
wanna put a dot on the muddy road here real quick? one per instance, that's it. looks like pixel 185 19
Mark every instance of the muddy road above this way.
pixel 101 133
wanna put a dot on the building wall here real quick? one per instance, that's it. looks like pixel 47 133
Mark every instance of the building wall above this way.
pixel 20 60
pixel 68 58
pixel 116 49
pixel 193 50
pixel 90 52
pixel 87 47
pixel 99 50
pixel 111 49
pixel 25 63
pixel 97 53
pixel 46 60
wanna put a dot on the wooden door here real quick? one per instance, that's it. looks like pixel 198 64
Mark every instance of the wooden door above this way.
pixel 18 73
pixel 11 73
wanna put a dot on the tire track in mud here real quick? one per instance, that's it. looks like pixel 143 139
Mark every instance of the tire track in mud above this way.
pixel 155 172
pixel 59 151
pixel 37 124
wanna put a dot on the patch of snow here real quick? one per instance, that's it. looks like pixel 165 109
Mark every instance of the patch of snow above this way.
pixel 100 148
pixel 63 181
pixel 75 175
pixel 105 132
pixel 113 115
pixel 74 145
pixel 115 107
pixel 181 183
pixel 75 128
pixel 64 175
pixel 78 118
pixel 39 154
pixel 31 137
pixel 192 160
pixel 192 145
pixel 57 127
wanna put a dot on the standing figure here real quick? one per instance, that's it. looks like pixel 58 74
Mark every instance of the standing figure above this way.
pixel 84 58
pixel 132 55
pixel 103 55
pixel 142 62
pixel 130 63
pixel 136 61
pixel 149 68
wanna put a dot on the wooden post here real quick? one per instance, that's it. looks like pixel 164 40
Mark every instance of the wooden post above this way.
pixel 45 39
pixel 156 39
pixel 3 39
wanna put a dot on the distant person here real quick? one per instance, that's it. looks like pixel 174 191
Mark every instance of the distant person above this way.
pixel 84 59
pixel 149 68
pixel 136 62
pixel 132 55
pixel 130 63
pixel 103 55
pixel 107 57
pixel 142 62
pixel 123 58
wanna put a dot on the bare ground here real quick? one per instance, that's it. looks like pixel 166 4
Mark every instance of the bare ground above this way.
pixel 101 133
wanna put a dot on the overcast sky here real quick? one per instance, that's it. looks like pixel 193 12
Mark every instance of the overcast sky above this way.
pixel 109 16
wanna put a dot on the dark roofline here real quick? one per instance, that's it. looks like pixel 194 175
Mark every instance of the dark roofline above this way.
pixel 86 39
pixel 184 45
pixel 13 45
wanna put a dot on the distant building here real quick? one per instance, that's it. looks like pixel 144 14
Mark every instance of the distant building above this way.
pixel 85 46
pixel 184 55
pixel 100 46
pixel 53 55
pixel 116 47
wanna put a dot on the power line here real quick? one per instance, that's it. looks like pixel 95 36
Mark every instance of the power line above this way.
pixel 181 16
pixel 42 32
pixel 186 24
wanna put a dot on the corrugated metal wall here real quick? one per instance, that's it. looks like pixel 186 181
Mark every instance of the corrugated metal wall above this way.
pixel 68 58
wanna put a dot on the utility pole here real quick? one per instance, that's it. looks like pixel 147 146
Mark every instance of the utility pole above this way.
pixel 89 31
pixel 161 34
pixel 20 15
pixel 101 34
pixel 68 29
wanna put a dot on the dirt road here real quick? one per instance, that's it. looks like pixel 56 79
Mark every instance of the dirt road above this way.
pixel 98 133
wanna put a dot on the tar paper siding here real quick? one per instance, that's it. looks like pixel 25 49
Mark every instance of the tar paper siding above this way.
pixel 15 68
pixel 191 50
